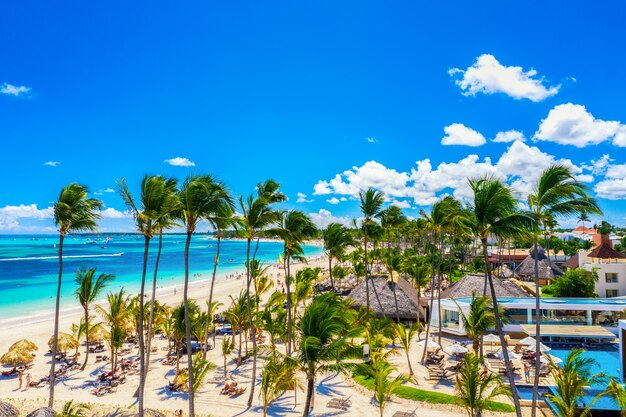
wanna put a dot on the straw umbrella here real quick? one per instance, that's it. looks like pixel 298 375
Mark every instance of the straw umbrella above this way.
pixel 491 339
pixel 25 345
pixel 65 342
pixel 8 410
pixel 15 357
pixel 42 412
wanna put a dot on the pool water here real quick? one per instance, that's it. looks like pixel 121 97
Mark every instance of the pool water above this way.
pixel 607 360
pixel 525 392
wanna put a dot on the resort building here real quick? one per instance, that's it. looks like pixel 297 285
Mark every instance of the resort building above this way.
pixel 610 266
pixel 548 270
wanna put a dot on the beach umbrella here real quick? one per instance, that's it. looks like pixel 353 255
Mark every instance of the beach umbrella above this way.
pixel 455 349
pixel 528 341
pixel 15 357
pixel 65 342
pixel 429 344
pixel 98 333
pixel 25 345
pixel 491 338
pixel 8 410
pixel 555 359
pixel 542 348
pixel 42 412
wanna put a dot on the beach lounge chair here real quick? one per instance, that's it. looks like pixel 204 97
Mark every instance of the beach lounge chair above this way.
pixel 99 392
pixel 437 375
pixel 340 403
pixel 405 413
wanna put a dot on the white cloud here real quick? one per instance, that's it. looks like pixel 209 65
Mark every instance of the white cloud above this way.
pixel 302 198
pixel 111 213
pixel 371 139
pixel 488 76
pixel 509 136
pixel 572 124
pixel 324 217
pixel 14 90
pixel 403 204
pixel 333 200
pixel 102 192
pixel 459 134
pixel 520 165
pixel 180 162
pixel 616 171
pixel 10 215
pixel 599 166
pixel 52 163
pixel 612 189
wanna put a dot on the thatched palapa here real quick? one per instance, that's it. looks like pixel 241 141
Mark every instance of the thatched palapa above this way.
pixel 8 410
pixel 42 412
pixel 472 284
pixel 382 287
pixel 547 270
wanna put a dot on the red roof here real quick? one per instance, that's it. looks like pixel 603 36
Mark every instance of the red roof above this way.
pixel 605 251
pixel 582 229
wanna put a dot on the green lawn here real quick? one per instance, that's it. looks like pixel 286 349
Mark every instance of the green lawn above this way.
pixel 417 394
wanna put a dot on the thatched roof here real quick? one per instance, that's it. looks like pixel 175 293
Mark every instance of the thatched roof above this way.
pixel 475 283
pixel 381 286
pixel 547 270
pixel 8 410
pixel 605 251
pixel 42 412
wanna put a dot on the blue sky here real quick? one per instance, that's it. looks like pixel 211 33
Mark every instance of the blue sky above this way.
pixel 325 97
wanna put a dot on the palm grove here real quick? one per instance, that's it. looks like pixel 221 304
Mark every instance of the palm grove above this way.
pixel 309 333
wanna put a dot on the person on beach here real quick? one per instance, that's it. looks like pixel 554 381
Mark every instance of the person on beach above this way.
pixel 19 378
pixel 527 372
pixel 28 379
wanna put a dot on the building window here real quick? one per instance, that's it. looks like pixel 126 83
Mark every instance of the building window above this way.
pixel 611 277
pixel 611 293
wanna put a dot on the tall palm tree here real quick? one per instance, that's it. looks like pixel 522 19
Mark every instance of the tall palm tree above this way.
pixel 279 375
pixel 257 215
pixel 222 219
pixel 73 212
pixel 474 388
pixel 583 218
pixel 479 320
pixel 418 269
pixel 557 193
pixel 618 393
pixel 337 239
pixel 87 291
pixel 295 229
pixel 199 198
pixel 495 213
pixel 323 334
pixel 371 205
pixel 405 334
pixel 571 379
pixel 156 202
pixel 379 370
pixel 116 316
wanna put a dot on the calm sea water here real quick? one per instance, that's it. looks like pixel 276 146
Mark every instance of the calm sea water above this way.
pixel 29 265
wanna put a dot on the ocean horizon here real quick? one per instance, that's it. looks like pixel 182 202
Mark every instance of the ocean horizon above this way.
pixel 29 265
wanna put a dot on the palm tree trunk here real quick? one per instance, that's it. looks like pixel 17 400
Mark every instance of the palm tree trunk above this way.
pixel 432 299
pixel 252 329
pixel 505 349
pixel 142 347
pixel 537 333
pixel 367 282
pixel 330 271
pixel 82 368
pixel 310 387
pixel 192 411
pixel 56 323
pixel 289 316
pixel 152 300
pixel 209 318
pixel 393 284
pixel 441 248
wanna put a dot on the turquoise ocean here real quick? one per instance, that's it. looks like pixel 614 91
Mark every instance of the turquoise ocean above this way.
pixel 29 265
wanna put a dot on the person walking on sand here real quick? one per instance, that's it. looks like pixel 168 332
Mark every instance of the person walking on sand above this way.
pixel 28 379
pixel 19 378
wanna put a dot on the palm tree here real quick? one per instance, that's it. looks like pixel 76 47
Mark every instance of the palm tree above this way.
pixel 323 334
pixel 222 219
pixel 476 388
pixel 337 239
pixel 479 320
pixel 295 229
pixel 371 204
pixel 156 202
pixel 257 216
pixel 418 269
pixel 279 375
pixel 200 197
pixel 116 316
pixel 88 290
pixel 494 214
pixel 618 393
pixel 570 382
pixel 391 219
pixel 405 334
pixel 74 410
pixel 227 349
pixel 582 218
pixel 557 193
pixel 73 212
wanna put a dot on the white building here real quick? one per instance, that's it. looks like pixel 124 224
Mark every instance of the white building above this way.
pixel 610 266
